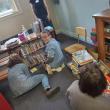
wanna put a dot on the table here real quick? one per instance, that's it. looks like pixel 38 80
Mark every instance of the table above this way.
pixel 74 47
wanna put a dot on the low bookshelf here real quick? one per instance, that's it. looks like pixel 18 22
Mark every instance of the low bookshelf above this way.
pixel 31 51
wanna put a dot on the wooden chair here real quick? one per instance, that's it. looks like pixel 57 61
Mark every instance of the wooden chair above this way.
pixel 79 32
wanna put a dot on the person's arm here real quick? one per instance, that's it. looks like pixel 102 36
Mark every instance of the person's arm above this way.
pixel 26 70
pixel 49 58
pixel 50 55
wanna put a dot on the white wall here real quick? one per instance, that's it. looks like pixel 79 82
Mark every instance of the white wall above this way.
pixel 72 13
pixel 65 16
pixel 11 25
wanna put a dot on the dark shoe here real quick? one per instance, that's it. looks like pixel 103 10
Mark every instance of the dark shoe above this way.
pixel 51 92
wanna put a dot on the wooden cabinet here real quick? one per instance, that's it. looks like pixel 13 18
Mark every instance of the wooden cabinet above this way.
pixel 101 20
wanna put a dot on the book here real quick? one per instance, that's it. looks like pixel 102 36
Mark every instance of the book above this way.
pixel 4 61
pixel 73 68
pixel 34 69
pixel 107 90
pixel 82 57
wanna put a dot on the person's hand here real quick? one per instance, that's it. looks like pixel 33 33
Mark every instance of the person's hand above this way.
pixel 43 65
pixel 49 69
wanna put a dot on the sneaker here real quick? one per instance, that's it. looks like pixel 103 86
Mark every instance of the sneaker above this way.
pixel 51 92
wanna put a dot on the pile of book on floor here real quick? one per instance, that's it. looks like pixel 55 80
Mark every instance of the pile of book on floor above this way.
pixel 82 57
pixel 79 58
pixel 73 68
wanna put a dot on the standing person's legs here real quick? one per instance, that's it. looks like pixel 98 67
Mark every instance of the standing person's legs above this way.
pixel 46 22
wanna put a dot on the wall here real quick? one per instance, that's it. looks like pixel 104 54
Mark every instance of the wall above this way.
pixel 12 25
pixel 65 16
pixel 53 15
pixel 72 13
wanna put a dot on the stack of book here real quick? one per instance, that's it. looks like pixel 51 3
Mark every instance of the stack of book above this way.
pixel 103 67
pixel 4 61
pixel 107 27
pixel 79 58
pixel 32 53
pixel 73 68
pixel 107 49
pixel 35 59
pixel 82 57
pixel 27 49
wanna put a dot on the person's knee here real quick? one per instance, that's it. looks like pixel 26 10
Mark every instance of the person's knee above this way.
pixel 43 75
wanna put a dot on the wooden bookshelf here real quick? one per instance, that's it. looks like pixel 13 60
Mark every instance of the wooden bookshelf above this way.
pixel 101 19
pixel 107 35
pixel 32 52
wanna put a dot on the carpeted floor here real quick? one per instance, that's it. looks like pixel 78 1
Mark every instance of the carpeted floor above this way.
pixel 36 99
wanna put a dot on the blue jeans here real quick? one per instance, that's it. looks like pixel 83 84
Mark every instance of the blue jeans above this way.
pixel 41 78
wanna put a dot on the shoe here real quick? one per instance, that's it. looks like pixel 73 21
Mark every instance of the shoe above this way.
pixel 51 92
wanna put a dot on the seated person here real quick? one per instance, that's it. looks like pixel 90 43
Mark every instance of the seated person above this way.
pixel 53 50
pixel 87 92
pixel 21 81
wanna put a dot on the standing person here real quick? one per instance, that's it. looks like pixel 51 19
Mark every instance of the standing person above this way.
pixel 87 92
pixel 40 9
pixel 53 52
pixel 21 81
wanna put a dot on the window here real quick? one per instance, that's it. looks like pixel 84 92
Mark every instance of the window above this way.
pixel 7 7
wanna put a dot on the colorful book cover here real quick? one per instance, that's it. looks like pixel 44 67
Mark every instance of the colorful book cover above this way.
pixel 107 90
pixel 82 57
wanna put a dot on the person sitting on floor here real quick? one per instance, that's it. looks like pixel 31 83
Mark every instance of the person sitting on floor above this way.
pixel 53 51
pixel 87 92
pixel 21 81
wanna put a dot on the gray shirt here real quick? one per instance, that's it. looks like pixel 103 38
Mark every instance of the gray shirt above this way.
pixel 54 51
pixel 81 101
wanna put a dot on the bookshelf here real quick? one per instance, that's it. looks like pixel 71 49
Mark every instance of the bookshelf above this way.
pixel 32 51
pixel 102 21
